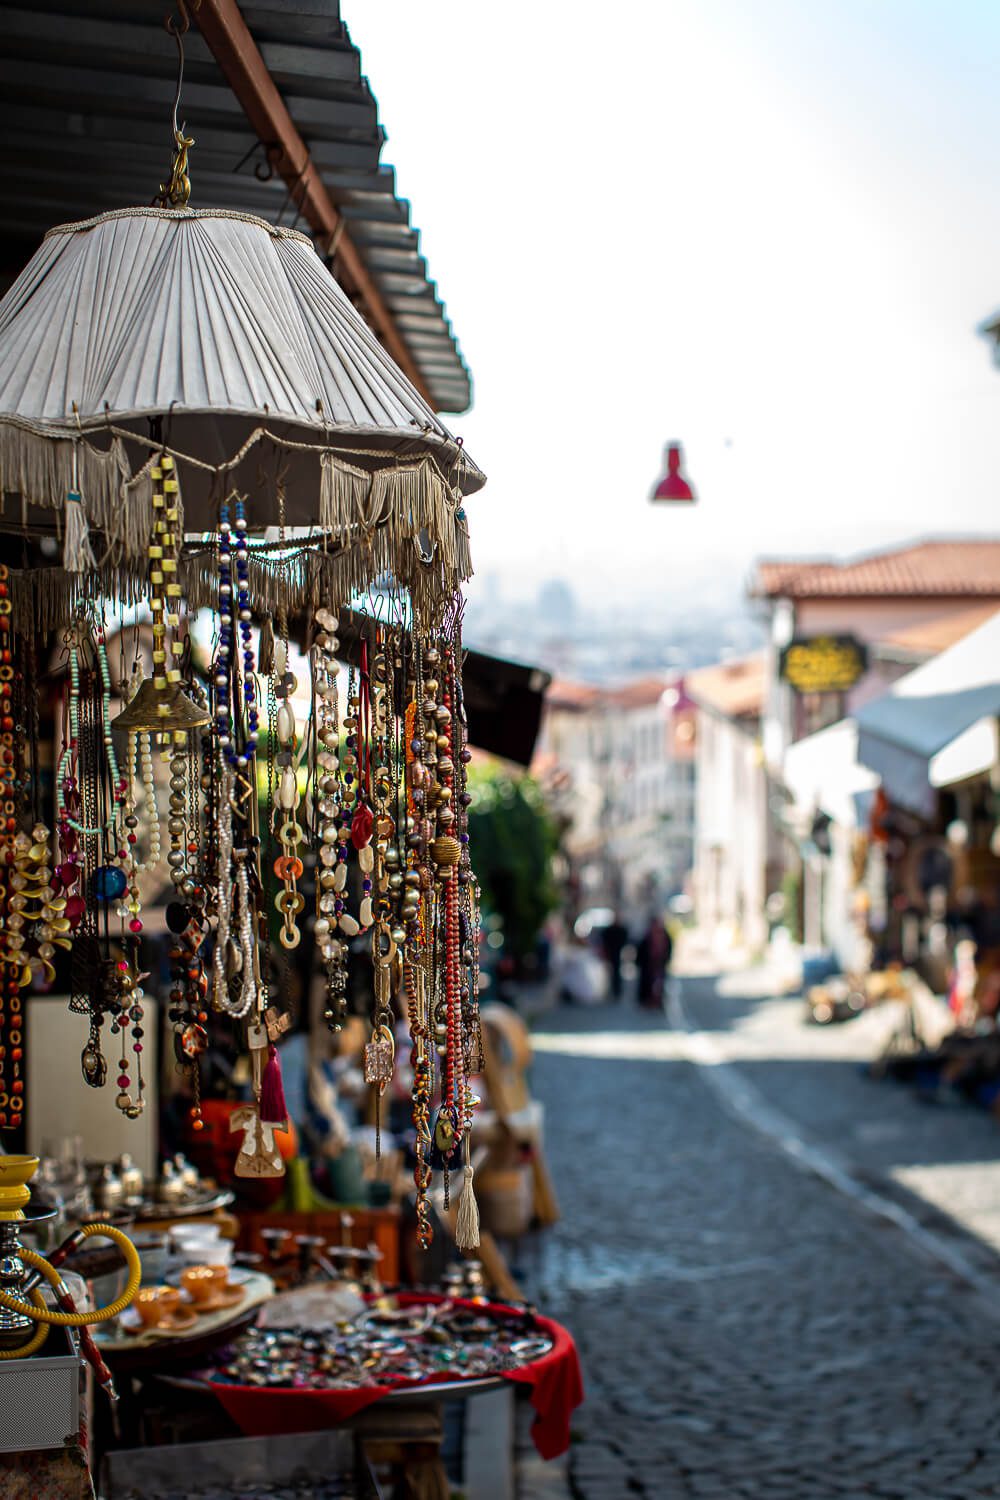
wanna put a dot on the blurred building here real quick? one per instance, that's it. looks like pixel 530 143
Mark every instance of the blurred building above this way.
pixel 906 796
pixel 854 628
pixel 618 768
pixel 731 825
pixel 847 643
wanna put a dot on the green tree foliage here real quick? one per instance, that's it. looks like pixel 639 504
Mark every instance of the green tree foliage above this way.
pixel 513 839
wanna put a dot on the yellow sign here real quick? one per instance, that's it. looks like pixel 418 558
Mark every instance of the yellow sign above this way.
pixel 824 664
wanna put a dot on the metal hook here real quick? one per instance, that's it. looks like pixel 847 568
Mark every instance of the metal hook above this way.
pixel 178 32
pixel 267 170
pixel 177 191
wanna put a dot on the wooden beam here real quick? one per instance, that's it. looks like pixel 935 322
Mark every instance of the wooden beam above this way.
pixel 230 40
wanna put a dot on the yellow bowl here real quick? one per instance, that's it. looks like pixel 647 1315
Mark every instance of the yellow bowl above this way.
pixel 15 1174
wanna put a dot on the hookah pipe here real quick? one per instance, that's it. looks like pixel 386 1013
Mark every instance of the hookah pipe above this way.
pixel 20 1314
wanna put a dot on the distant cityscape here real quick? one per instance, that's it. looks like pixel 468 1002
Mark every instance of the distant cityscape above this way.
pixel 606 643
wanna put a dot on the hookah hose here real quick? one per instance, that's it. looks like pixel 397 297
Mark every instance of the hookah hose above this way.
pixel 67 1316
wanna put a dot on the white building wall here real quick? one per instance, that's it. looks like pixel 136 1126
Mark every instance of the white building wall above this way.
pixel 730 847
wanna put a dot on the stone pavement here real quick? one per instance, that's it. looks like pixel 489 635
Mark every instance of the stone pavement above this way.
pixel 941 1162
pixel 746 1330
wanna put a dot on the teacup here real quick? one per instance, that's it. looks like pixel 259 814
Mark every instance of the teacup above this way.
pixel 204 1283
pixel 200 1244
pixel 155 1304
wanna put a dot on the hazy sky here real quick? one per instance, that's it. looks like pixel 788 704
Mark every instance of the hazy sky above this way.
pixel 766 227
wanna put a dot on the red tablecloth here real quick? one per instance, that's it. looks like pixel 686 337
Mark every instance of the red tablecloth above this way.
pixel 555 1382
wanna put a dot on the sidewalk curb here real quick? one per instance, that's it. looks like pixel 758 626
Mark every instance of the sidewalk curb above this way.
pixel 744 1100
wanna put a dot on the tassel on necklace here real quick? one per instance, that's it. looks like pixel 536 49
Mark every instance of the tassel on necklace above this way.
pixel 467 1220
pixel 273 1109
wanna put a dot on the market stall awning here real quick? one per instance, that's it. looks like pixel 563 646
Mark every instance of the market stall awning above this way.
pixel 823 775
pixel 937 725
pixel 285 125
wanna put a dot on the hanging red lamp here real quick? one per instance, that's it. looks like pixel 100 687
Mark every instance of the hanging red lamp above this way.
pixel 673 486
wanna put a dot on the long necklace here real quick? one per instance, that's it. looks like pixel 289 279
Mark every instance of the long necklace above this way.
pixel 236 728
pixel 447 852
pixel 11 1052
pixel 326 813
pixel 415 964
pixel 239 750
pixel 472 1041
pixel 350 805
pixel 287 866
pixel 380 1051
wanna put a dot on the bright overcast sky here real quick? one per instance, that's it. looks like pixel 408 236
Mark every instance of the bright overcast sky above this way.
pixel 766 227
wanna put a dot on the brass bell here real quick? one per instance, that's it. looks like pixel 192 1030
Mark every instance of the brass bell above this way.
pixel 156 709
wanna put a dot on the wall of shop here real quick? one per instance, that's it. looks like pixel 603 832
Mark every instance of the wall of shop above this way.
pixel 873 619
pixel 730 856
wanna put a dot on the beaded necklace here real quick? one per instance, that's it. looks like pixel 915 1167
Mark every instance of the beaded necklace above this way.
pixel 447 852
pixel 185 914
pixel 472 1040
pixel 11 1051
pixel 326 811
pixel 380 1051
pixel 415 968
pixel 164 603
pixel 349 804
pixel 238 748
pixel 287 866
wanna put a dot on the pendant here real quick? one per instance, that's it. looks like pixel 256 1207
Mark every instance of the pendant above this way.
pixel 380 1054
pixel 94 1065
pixel 259 1155
pixel 277 1023
pixel 194 1040
pixel 444 1132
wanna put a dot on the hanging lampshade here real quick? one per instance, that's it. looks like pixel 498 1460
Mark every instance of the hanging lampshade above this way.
pixel 227 341
pixel 673 486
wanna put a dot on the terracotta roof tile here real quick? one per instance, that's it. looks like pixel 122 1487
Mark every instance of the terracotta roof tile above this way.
pixel 643 692
pixel 734 688
pixel 950 569
pixel 561 693
pixel 932 636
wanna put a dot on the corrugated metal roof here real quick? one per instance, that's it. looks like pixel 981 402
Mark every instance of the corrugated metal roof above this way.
pixel 88 87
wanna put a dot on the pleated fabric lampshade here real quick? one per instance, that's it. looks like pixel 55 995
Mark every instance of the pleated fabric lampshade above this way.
pixel 225 340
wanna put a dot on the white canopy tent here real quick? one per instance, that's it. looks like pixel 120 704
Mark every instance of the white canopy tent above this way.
pixel 823 774
pixel 937 725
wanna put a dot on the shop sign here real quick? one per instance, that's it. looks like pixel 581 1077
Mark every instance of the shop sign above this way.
pixel 823 663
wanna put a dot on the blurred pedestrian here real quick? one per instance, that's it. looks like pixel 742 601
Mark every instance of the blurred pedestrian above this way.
pixel 613 940
pixel 653 956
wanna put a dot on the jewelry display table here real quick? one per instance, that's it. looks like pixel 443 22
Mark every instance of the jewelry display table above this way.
pixel 553 1380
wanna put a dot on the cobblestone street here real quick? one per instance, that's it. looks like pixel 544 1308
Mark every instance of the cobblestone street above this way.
pixel 746 1330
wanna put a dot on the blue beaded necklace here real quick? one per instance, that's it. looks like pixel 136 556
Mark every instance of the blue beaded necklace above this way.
pixel 233 549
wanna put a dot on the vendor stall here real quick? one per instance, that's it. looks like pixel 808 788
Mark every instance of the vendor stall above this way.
pixel 238 911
